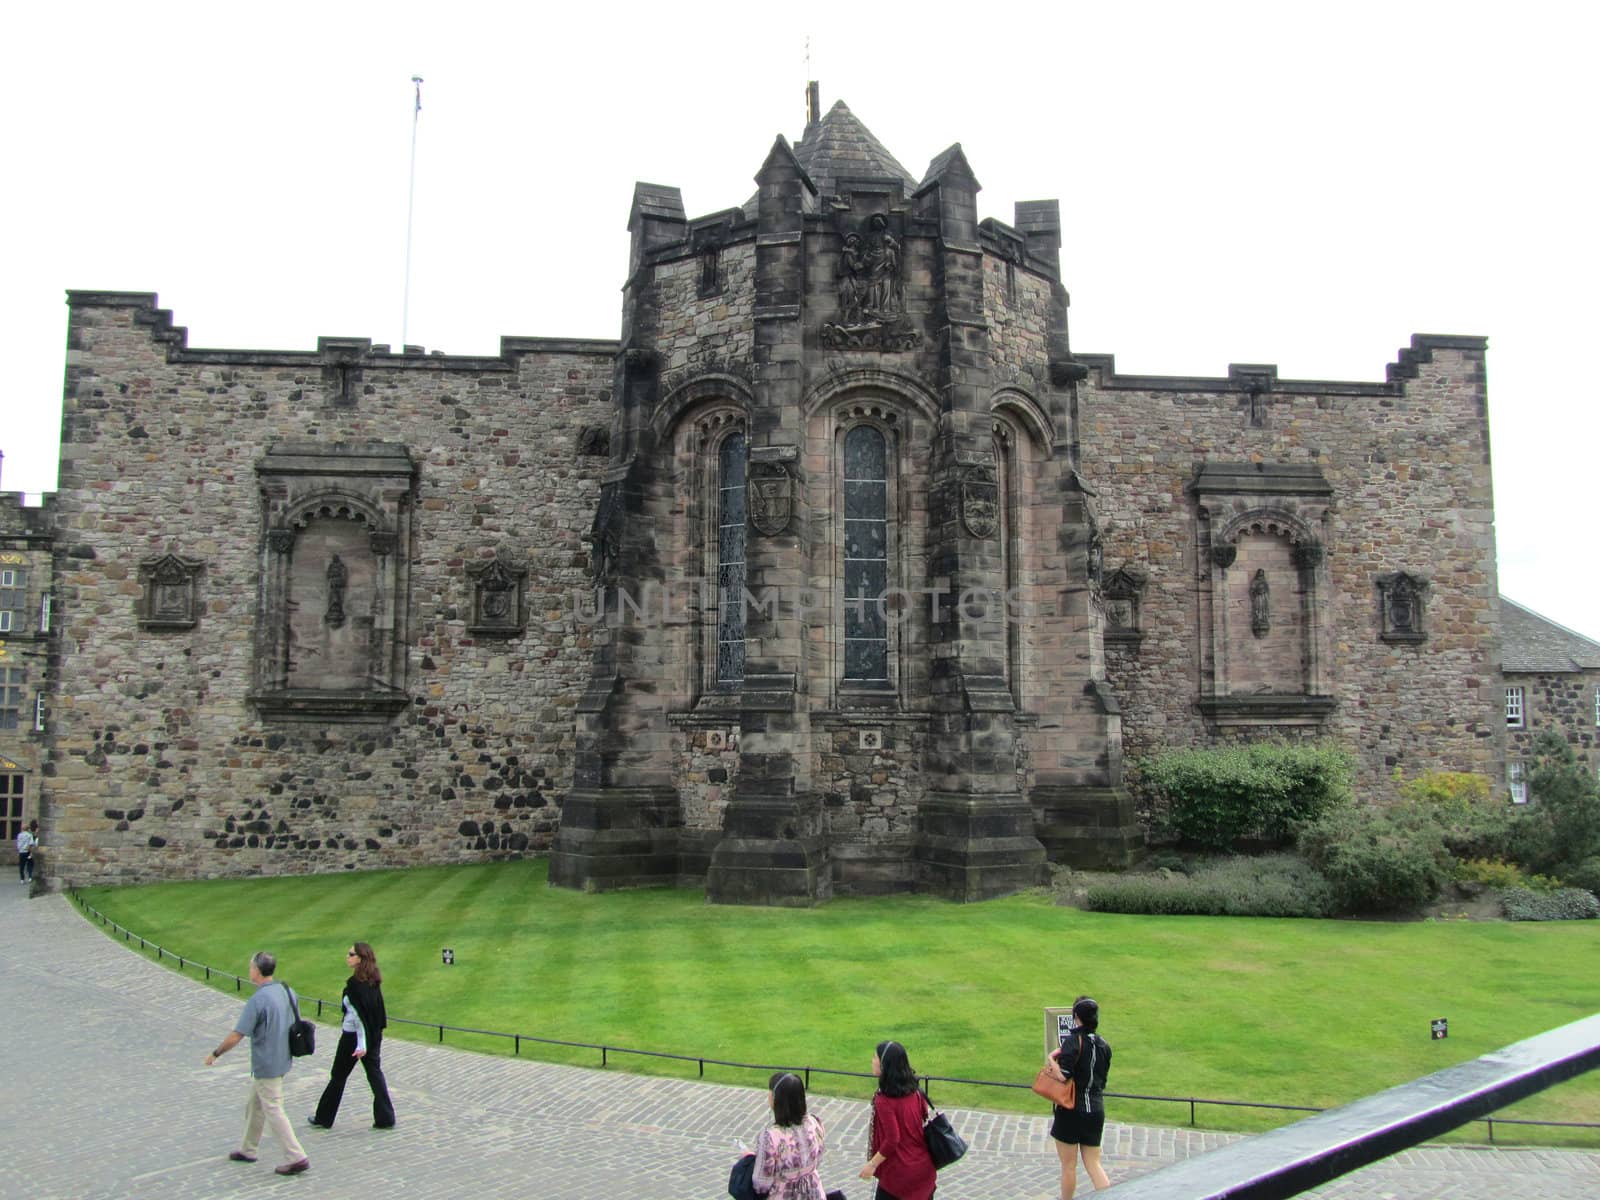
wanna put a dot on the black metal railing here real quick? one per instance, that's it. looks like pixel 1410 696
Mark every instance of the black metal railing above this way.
pixel 607 1051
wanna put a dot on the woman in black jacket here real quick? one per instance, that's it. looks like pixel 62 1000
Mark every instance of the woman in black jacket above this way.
pixel 360 1038
pixel 1084 1057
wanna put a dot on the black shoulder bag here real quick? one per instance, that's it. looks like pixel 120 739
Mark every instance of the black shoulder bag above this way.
pixel 302 1034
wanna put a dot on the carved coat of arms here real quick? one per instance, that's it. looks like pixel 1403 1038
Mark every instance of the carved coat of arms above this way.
pixel 770 496
pixel 980 502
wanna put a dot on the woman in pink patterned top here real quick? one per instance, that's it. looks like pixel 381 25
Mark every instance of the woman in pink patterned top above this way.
pixel 788 1150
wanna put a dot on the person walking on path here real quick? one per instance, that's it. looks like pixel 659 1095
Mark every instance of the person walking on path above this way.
pixel 1084 1057
pixel 26 841
pixel 788 1150
pixel 360 1039
pixel 265 1021
pixel 898 1147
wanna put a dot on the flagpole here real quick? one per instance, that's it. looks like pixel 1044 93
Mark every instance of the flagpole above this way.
pixel 411 200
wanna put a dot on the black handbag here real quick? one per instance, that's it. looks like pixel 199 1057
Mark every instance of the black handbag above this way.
pixel 742 1179
pixel 302 1034
pixel 945 1145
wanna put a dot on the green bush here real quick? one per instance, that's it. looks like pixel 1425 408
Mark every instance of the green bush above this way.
pixel 1213 798
pixel 1277 885
pixel 1585 875
pixel 1445 789
pixel 1563 904
pixel 1473 823
pixel 1564 818
pixel 1378 860
pixel 1491 872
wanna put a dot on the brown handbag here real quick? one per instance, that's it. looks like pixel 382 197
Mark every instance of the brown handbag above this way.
pixel 1059 1091
pixel 1052 1087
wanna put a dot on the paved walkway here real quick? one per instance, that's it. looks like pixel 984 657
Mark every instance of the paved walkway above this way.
pixel 103 1095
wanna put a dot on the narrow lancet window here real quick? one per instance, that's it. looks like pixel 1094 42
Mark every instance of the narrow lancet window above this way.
pixel 866 556
pixel 730 559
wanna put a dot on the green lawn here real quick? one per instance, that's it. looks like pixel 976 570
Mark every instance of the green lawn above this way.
pixel 1281 1011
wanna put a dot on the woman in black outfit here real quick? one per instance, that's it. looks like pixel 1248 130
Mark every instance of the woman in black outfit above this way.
pixel 1085 1058
pixel 360 1037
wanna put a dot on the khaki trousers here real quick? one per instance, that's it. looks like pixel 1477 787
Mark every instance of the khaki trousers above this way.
pixel 265 1108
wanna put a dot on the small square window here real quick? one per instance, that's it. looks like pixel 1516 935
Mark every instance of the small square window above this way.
pixel 1517 782
pixel 1597 704
pixel 1515 708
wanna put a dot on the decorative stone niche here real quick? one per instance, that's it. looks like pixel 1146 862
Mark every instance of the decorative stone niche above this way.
pixel 1123 591
pixel 334 602
pixel 497 599
pixel 171 600
pixel 1400 603
pixel 1264 638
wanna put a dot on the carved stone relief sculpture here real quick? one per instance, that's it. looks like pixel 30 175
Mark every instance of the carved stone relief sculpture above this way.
pixel 171 592
pixel 770 497
pixel 980 504
pixel 1124 594
pixel 1401 595
pixel 497 599
pixel 871 292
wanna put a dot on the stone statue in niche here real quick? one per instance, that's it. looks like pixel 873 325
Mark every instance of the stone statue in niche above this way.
pixel 1260 605
pixel 769 493
pixel 871 292
pixel 338 580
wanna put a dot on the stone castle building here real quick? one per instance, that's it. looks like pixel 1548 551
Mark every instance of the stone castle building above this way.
pixel 839 571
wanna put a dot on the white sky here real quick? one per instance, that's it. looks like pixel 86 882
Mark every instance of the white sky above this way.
pixel 1283 183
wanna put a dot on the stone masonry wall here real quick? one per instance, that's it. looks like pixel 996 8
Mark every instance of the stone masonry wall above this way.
pixel 161 768
pixel 1409 464
pixel 1568 702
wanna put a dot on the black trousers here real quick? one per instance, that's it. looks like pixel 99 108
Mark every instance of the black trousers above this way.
pixel 344 1061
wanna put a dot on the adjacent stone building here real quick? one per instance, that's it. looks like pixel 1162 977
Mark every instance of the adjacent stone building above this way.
pixel 1552 681
pixel 838 572
pixel 26 626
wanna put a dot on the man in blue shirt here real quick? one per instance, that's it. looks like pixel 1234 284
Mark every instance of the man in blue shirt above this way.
pixel 265 1021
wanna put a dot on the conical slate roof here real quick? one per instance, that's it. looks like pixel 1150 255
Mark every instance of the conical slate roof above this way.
pixel 839 146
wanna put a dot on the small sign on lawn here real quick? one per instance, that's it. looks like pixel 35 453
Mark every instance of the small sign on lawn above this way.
pixel 1441 1029
pixel 449 957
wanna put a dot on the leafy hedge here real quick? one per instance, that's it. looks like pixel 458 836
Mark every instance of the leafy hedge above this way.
pixel 1215 797
pixel 1563 904
pixel 1279 885
pixel 1379 860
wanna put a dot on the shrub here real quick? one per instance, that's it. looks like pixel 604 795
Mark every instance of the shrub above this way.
pixel 1585 875
pixel 1474 825
pixel 1491 872
pixel 1566 802
pixel 1215 797
pixel 1446 789
pixel 1563 904
pixel 1378 860
pixel 1278 885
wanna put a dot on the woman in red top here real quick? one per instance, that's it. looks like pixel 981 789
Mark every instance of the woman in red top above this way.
pixel 899 1150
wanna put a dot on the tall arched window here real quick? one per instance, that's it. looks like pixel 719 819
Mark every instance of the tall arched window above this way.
pixel 730 559
pixel 866 557
pixel 1007 496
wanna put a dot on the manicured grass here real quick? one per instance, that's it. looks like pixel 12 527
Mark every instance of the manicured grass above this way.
pixel 1277 1011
